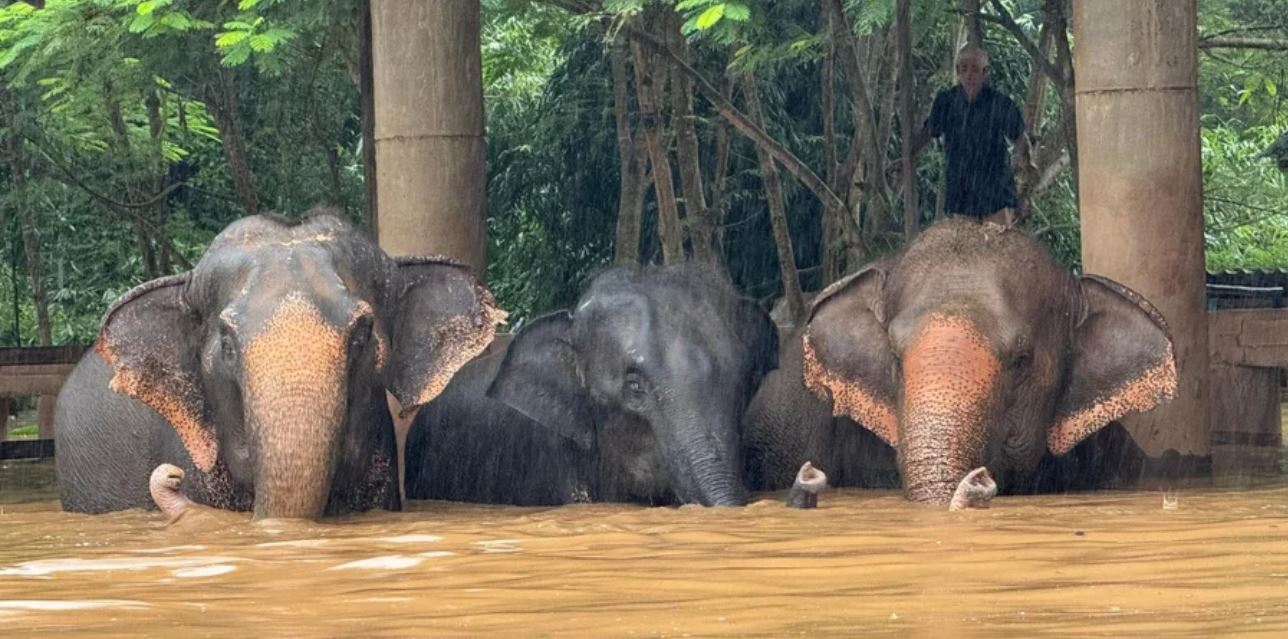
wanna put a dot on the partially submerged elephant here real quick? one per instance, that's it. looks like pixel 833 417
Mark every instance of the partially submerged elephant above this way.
pixel 263 372
pixel 636 395
pixel 971 348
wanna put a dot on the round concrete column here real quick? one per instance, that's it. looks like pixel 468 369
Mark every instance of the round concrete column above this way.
pixel 430 153
pixel 1141 184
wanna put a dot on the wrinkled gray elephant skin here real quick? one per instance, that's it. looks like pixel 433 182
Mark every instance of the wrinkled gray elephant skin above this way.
pixel 970 348
pixel 263 372
pixel 634 395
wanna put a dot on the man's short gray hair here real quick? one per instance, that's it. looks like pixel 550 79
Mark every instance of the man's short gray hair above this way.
pixel 971 51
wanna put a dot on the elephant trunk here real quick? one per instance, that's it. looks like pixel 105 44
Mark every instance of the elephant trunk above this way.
pixel 949 387
pixel 296 396
pixel 705 461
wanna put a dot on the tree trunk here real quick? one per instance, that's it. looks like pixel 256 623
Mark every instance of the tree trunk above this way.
pixel 649 93
pixel 131 174
pixel 970 20
pixel 733 116
pixel 26 220
pixel 630 157
pixel 830 242
pixel 738 120
pixel 904 19
pixel 161 171
pixel 777 210
pixel 367 105
pixel 223 110
pixel 701 229
pixel 333 172
pixel 719 173
pixel 30 240
pixel 1055 12
pixel 847 54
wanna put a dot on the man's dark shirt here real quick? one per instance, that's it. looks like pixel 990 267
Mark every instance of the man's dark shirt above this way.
pixel 980 180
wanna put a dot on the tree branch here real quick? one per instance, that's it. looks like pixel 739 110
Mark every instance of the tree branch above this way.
pixel 69 178
pixel 1265 44
pixel 794 165
pixel 1004 18
pixel 727 110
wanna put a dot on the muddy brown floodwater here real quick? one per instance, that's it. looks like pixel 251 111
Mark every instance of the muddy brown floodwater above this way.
pixel 863 563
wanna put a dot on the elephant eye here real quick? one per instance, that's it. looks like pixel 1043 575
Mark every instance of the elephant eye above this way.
pixel 634 389
pixel 1021 360
pixel 227 345
pixel 360 335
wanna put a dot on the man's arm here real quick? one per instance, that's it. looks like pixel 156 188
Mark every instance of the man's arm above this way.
pixel 930 129
pixel 1014 122
pixel 919 141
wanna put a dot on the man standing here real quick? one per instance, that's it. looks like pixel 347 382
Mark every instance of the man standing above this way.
pixel 975 122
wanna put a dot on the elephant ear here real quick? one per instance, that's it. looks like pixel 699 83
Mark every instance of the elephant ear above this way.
pixel 759 336
pixel 444 318
pixel 1122 362
pixel 848 355
pixel 540 378
pixel 148 339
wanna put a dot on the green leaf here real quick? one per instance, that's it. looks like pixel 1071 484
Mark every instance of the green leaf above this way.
pixel 177 21
pixel 235 56
pixel 142 23
pixel 238 25
pixel 685 5
pixel 246 5
pixel 232 38
pixel 689 26
pixel 710 17
pixel 146 8
pixel 1271 88
pixel 261 43
pixel 737 11
pixel 278 35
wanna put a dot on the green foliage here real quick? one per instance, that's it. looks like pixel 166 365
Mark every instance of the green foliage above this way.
pixel 69 69
pixel 1245 199
pixel 705 14
pixel 72 66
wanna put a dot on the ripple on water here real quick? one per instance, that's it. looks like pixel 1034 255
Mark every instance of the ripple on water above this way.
pixel 204 571
pixel 45 567
pixel 863 563
pixel 410 539
pixel 294 543
pixel 55 605
pixel 499 545
pixel 387 562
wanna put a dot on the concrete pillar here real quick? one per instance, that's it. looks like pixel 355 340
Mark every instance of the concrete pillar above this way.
pixel 430 154
pixel 45 408
pixel 1141 186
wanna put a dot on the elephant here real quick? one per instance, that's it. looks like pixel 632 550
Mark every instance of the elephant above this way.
pixel 264 372
pixel 971 347
pixel 635 395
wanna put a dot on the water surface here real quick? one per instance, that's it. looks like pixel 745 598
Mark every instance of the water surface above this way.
pixel 864 563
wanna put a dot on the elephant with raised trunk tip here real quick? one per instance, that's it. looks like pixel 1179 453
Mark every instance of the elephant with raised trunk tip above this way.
pixel 972 347
pixel 263 372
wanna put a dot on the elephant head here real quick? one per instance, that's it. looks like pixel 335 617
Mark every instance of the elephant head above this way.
pixel 652 371
pixel 975 348
pixel 272 357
